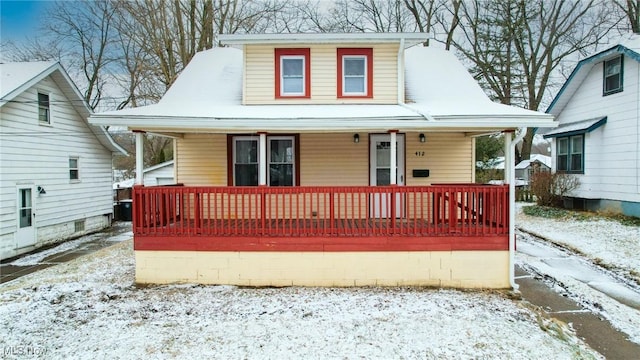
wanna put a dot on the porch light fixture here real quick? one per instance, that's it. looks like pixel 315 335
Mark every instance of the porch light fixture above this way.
pixel 356 138
pixel 422 138
pixel 41 190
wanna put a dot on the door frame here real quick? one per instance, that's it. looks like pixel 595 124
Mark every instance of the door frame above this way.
pixel 25 237
pixel 401 156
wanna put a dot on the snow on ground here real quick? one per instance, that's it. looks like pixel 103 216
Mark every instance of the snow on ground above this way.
pixel 37 257
pixel 89 308
pixel 584 281
pixel 608 242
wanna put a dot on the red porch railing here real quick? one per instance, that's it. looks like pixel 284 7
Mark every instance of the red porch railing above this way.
pixel 367 212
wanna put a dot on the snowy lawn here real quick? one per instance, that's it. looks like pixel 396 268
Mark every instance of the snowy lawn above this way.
pixel 606 242
pixel 89 308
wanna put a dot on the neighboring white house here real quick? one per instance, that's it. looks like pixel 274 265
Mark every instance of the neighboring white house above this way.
pixel 56 168
pixel 536 163
pixel 598 139
pixel 160 174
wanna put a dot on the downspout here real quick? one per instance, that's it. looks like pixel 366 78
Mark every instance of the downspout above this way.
pixel 512 208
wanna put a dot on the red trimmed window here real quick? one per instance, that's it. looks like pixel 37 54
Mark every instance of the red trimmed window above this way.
pixel 293 73
pixel 355 73
pixel 283 160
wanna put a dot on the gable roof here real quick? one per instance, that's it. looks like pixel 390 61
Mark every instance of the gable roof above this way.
pixel 628 45
pixel 543 159
pixel 441 94
pixel 18 77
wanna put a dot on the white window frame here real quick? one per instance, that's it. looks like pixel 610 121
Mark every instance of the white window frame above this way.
pixel 293 157
pixel 344 75
pixel 47 108
pixel 283 93
pixel 235 149
pixel 76 169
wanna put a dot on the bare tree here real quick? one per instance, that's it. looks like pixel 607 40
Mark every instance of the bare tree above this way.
pixel 88 27
pixel 515 46
pixel 429 13
pixel 631 10
pixel 371 16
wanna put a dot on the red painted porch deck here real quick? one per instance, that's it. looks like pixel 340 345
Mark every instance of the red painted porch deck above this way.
pixel 379 218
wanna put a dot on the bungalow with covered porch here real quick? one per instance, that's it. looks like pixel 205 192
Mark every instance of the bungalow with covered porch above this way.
pixel 325 160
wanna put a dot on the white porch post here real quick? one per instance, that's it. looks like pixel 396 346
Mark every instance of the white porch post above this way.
pixel 393 163
pixel 139 157
pixel 262 163
pixel 508 157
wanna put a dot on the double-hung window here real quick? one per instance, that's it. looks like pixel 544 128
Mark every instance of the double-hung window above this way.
pixel 280 160
pixel 293 73
pixel 355 72
pixel 245 161
pixel 612 79
pixel 74 169
pixel 44 113
pixel 570 154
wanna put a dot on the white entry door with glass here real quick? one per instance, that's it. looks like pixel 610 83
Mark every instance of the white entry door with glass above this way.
pixel 380 173
pixel 25 233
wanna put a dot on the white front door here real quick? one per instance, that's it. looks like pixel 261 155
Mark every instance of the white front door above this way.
pixel 380 173
pixel 26 233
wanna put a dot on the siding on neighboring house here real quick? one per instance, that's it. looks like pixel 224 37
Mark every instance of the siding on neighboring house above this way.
pixel 38 155
pixel 612 153
pixel 160 174
pixel 259 79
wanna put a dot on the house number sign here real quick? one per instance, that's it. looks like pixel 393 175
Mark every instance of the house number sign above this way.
pixel 419 153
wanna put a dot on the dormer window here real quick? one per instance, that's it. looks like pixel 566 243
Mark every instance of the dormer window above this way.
pixel 612 82
pixel 293 73
pixel 355 73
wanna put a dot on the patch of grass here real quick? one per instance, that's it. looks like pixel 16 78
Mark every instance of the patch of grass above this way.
pixel 557 213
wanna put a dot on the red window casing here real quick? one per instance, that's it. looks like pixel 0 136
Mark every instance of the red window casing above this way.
pixel 366 52
pixel 306 53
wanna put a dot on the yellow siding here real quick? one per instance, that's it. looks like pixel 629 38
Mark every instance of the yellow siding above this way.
pixel 334 159
pixel 201 159
pixel 448 156
pixel 259 79
pixel 460 269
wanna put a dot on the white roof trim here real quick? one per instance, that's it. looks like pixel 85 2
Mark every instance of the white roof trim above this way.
pixel 416 123
pixel 324 38
pixel 158 166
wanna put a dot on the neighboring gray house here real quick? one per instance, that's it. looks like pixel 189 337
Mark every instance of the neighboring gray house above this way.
pixel 598 139
pixel 159 174
pixel 56 167
pixel 536 163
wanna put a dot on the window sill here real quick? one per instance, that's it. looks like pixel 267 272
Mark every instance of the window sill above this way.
pixel 355 96
pixel 286 97
pixel 612 92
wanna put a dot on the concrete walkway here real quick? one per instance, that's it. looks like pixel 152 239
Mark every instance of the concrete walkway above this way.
pixel 10 271
pixel 597 332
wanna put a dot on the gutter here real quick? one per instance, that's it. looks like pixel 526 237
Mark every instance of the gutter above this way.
pixel 512 209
